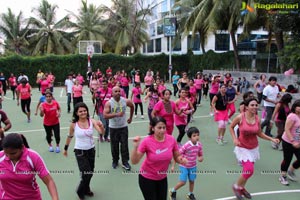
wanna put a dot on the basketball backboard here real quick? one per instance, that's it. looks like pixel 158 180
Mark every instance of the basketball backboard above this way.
pixel 90 47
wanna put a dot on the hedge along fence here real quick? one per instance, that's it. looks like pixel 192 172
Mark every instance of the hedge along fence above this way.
pixel 61 66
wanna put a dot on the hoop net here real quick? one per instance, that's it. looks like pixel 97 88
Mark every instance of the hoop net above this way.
pixel 90 47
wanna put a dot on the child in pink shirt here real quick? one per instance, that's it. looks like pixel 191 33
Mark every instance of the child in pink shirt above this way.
pixel 24 93
pixel 137 99
pixel 192 151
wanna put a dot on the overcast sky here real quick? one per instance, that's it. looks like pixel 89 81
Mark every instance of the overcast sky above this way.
pixel 63 5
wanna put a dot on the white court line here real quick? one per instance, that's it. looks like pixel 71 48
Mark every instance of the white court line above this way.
pixel 264 193
pixel 64 128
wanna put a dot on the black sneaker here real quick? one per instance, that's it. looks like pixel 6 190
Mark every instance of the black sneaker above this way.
pixel 190 196
pixel 115 165
pixel 172 195
pixel 126 166
pixel 246 193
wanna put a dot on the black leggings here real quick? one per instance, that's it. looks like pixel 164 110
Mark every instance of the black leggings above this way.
pixel 288 151
pixel 152 189
pixel 136 107
pixel 56 131
pixel 25 105
pixel 181 129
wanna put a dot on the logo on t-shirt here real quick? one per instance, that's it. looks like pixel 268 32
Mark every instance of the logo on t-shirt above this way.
pixel 158 151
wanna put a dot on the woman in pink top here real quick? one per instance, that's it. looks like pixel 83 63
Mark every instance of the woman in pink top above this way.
pixel 50 110
pixel 137 99
pixel 125 80
pixel 291 144
pixel 94 85
pixel 152 95
pixel 161 87
pixel 198 84
pixel 12 83
pixel 166 109
pixel 137 77
pixel 160 148
pixel 122 92
pixel 77 91
pixel 51 79
pixel 181 120
pixel 44 84
pixel 17 157
pixel 282 110
pixel 214 90
pixel 24 93
pixel 246 145
pixel 148 80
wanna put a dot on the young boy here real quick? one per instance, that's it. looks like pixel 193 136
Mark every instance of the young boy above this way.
pixel 191 150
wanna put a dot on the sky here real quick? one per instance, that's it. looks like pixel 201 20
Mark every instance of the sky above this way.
pixel 63 5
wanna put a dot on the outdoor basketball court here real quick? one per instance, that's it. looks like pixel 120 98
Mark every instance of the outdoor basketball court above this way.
pixel 216 173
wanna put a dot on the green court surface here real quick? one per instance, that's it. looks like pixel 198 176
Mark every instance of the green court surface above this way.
pixel 216 173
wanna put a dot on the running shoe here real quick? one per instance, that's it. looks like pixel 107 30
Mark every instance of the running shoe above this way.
pixel 238 193
pixel 274 145
pixel 246 193
pixel 57 150
pixel 115 165
pixel 283 180
pixel 190 196
pixel 172 195
pixel 142 117
pixel 51 149
pixel 126 166
pixel 291 175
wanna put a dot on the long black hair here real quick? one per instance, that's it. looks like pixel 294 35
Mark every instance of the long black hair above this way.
pixel 77 106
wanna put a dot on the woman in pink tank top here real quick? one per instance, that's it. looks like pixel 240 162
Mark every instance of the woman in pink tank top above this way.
pixel 246 145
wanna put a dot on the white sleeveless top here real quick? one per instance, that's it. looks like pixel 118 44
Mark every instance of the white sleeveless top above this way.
pixel 84 137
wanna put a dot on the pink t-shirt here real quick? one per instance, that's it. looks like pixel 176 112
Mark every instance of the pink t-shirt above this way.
pixel 12 81
pixel 18 182
pixel 148 80
pixel 191 151
pixel 103 96
pixel 295 129
pixel 137 78
pixel 182 118
pixel 50 110
pixel 94 84
pixel 44 85
pixel 160 89
pixel 80 79
pixel 158 156
pixel 214 88
pixel 50 79
pixel 137 93
pixel 124 81
pixel 77 90
pixel 169 117
pixel 24 91
pixel 198 83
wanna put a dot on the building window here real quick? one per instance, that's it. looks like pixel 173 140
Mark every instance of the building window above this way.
pixel 222 42
pixel 160 27
pixel 193 43
pixel 150 46
pixel 158 45
pixel 152 30
pixel 250 42
pixel 144 48
pixel 177 44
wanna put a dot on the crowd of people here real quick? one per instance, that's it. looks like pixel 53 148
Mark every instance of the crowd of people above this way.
pixel 112 96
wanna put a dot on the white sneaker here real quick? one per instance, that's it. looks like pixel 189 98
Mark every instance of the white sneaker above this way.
pixel 142 117
pixel 211 114
pixel 135 116
pixel 224 141
pixel 274 145
pixel 292 176
pixel 219 141
pixel 283 180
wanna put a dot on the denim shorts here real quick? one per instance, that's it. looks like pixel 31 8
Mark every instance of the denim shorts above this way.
pixel 187 173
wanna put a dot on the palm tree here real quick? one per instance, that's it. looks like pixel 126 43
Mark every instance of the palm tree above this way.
pixel 88 23
pixel 48 36
pixel 15 34
pixel 127 22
